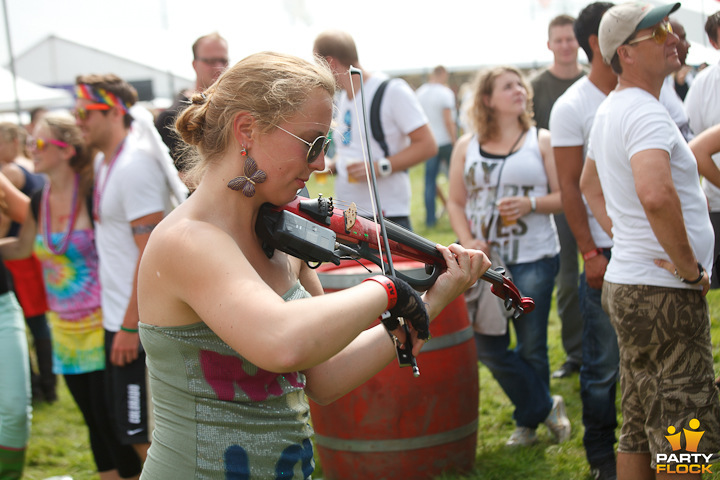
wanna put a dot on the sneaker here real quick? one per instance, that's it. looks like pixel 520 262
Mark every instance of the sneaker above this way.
pixel 522 437
pixel 567 369
pixel 604 471
pixel 557 421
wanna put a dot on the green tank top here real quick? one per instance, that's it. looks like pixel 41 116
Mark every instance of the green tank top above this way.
pixel 218 416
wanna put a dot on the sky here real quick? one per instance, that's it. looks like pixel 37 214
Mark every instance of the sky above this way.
pixel 391 35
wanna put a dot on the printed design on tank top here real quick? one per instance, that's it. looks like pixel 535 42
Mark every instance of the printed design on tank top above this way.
pixel 237 465
pixel 506 238
pixel 223 372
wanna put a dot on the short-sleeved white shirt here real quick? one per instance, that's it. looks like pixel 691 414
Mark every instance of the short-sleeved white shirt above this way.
pixel 135 187
pixel 435 99
pixel 702 105
pixel 630 121
pixel 571 120
pixel 400 115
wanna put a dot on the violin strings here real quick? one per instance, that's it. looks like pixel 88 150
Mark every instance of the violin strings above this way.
pixel 343 204
pixel 366 157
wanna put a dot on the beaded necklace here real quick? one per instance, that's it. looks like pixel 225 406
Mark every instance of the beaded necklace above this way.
pixel 97 194
pixel 64 241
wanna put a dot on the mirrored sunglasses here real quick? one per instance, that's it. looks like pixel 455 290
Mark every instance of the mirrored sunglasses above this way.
pixel 39 144
pixel 659 34
pixel 320 144
pixel 83 112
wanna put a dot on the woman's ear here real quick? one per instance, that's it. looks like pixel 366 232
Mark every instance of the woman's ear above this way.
pixel 486 100
pixel 243 128
pixel 69 152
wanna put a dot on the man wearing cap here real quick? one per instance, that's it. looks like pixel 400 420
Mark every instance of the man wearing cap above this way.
pixel 641 182
pixel 131 196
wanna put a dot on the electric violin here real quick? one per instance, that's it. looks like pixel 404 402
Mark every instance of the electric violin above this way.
pixel 316 231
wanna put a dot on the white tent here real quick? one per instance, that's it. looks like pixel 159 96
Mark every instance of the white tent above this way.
pixel 31 95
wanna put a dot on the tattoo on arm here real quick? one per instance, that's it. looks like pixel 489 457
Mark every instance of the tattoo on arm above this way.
pixel 143 229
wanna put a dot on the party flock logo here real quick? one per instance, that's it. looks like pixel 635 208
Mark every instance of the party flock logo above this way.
pixel 688 462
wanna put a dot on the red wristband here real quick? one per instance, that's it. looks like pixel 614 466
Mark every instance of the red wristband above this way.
pixel 592 254
pixel 389 288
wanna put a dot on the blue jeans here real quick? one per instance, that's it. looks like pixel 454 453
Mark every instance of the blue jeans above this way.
pixel 432 168
pixel 524 372
pixel 598 376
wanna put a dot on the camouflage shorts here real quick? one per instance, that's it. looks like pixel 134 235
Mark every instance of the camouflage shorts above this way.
pixel 666 366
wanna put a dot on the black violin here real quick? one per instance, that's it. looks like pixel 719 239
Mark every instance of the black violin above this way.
pixel 315 231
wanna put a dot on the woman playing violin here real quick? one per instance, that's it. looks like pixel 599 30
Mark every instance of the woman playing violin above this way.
pixel 503 190
pixel 235 338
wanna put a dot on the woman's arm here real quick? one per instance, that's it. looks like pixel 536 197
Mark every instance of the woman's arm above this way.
pixel 17 202
pixel 457 196
pixel 372 350
pixel 13 248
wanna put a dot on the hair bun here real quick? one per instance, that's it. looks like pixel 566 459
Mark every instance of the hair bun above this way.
pixel 199 98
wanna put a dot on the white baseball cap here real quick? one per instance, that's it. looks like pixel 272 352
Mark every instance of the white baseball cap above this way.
pixel 621 21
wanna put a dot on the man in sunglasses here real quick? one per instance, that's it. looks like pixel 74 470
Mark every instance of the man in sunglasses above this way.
pixel 210 59
pixel 641 182
pixel 130 198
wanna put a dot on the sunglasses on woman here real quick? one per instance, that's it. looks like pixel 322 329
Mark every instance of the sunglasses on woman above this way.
pixel 320 144
pixel 659 34
pixel 83 112
pixel 39 144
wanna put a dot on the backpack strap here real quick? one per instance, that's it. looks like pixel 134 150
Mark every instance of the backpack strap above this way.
pixel 375 124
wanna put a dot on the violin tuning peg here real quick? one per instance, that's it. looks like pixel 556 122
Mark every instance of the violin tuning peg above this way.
pixel 508 304
pixel 500 270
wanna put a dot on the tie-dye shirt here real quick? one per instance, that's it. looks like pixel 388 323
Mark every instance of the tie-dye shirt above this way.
pixel 73 295
pixel 217 415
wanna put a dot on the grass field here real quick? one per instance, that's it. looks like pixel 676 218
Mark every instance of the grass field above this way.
pixel 59 444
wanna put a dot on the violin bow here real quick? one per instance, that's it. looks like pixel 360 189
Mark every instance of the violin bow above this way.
pixel 405 356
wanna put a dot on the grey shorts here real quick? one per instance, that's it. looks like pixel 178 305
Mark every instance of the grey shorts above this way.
pixel 666 367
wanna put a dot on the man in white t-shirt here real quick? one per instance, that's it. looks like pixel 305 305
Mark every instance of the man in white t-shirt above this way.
pixel 702 105
pixel 641 182
pixel 131 196
pixel 571 119
pixel 407 134
pixel 438 102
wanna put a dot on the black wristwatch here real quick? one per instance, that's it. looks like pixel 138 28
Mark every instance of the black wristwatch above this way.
pixel 692 282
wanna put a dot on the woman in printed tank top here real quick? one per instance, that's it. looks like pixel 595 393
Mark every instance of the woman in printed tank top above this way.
pixel 503 192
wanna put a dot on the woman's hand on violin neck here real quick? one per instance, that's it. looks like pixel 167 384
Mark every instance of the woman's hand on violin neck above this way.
pixel 464 267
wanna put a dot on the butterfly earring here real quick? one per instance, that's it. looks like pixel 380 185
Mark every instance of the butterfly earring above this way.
pixel 252 176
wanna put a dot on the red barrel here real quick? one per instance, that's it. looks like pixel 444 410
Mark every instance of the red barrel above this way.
pixel 398 426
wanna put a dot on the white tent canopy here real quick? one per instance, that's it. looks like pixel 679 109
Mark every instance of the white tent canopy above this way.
pixel 31 95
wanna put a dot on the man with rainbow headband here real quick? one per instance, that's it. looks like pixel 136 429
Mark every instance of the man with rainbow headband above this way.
pixel 131 196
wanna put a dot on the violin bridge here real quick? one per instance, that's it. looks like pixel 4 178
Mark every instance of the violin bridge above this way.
pixel 350 215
